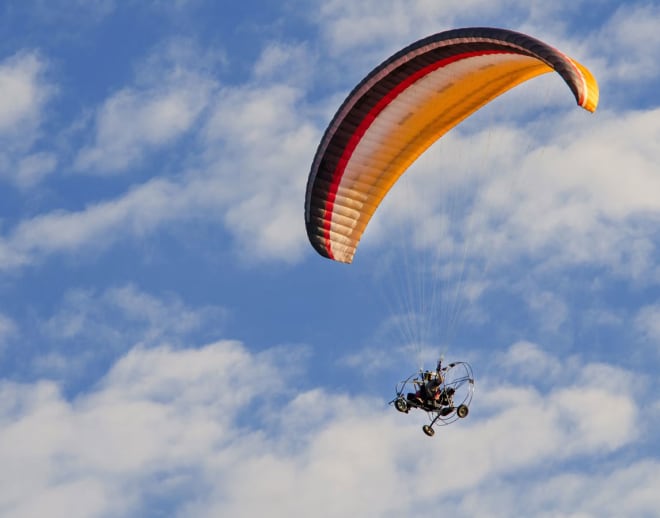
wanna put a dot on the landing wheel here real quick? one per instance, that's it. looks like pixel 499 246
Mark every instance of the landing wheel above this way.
pixel 401 405
pixel 428 430
pixel 462 411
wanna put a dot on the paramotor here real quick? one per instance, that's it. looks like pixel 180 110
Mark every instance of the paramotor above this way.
pixel 444 394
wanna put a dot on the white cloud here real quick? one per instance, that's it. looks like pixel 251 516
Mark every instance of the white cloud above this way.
pixel 575 200
pixel 285 63
pixel 392 24
pixel 70 16
pixel 349 25
pixel 647 323
pixel 217 427
pixel 551 309
pixel 631 40
pixel 138 211
pixel 259 149
pixel 172 92
pixel 156 410
pixel 83 312
pixel 552 189
pixel 90 329
pixel 25 92
pixel 31 169
pixel 256 151
pixel 261 211
pixel 571 190
pixel 8 329
pixel 529 361
pixel 133 122
pixel 623 491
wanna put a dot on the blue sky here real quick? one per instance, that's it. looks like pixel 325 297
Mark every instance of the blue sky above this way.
pixel 170 344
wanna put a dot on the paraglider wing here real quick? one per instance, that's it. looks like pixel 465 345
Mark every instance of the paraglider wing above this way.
pixel 406 104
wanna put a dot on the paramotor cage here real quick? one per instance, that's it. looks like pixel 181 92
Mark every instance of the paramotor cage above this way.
pixel 453 395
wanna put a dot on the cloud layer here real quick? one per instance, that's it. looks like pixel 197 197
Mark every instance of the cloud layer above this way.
pixel 189 423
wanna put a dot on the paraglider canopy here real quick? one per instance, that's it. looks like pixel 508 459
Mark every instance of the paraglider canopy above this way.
pixel 402 107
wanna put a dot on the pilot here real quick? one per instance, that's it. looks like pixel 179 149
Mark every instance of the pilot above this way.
pixel 429 392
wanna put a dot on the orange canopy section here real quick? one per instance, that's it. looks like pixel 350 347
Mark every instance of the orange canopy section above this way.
pixel 402 107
